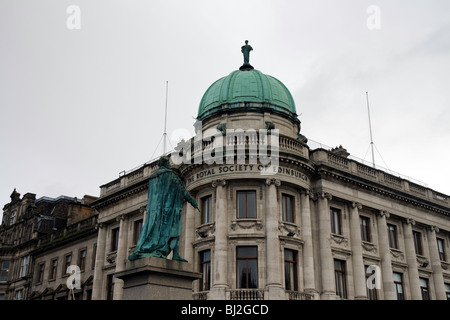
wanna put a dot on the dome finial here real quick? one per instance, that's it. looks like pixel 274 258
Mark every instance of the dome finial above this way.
pixel 246 51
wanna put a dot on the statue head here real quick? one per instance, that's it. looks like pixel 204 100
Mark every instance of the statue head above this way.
pixel 164 162
pixel 246 41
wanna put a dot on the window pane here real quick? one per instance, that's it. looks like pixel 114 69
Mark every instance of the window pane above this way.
pixel 242 273
pixel 335 220
pixel 365 229
pixel 252 273
pixel 247 252
pixel 206 209
pixel 288 255
pixel 242 199
pixel 392 236
pixel 251 204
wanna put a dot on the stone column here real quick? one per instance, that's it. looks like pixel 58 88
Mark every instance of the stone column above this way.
pixel 220 257
pixel 308 254
pixel 97 287
pixel 385 255
pixel 189 233
pixel 359 273
pixel 121 256
pixel 326 258
pixel 436 264
pixel 274 265
pixel 411 259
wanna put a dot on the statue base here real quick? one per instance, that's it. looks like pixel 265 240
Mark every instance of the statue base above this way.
pixel 246 67
pixel 157 279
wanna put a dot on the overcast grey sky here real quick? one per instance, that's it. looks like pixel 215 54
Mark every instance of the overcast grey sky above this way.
pixel 77 106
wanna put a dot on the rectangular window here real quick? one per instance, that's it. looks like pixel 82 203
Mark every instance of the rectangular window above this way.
pixel 365 228
pixel 4 271
pixel 424 289
pixel 290 270
pixel 13 218
pixel 392 235
pixel 94 256
pixel 417 236
pixel 441 249
pixel 287 208
pixel 82 259
pixel 205 269
pixel 19 294
pixel 246 204
pixel 41 269
pixel 398 283
pixel 110 287
pixel 137 230
pixel 335 219
pixel 447 290
pixel 206 209
pixel 53 269
pixel 340 278
pixel 247 267
pixel 67 263
pixel 114 239
pixel 24 266
pixel 371 293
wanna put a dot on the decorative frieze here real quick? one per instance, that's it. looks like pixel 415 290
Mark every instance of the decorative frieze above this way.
pixel 369 247
pixel 288 228
pixel 397 254
pixel 246 224
pixel 340 240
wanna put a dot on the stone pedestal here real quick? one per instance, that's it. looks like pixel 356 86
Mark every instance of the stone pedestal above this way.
pixel 157 279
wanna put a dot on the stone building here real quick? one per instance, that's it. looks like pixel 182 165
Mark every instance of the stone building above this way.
pixel 32 232
pixel 280 219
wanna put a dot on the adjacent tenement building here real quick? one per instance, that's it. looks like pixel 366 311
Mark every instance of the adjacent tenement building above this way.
pixel 39 239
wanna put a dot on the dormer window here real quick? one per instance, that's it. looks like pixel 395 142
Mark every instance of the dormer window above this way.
pixel 12 218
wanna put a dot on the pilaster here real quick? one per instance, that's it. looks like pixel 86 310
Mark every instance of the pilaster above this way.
pixel 308 254
pixel 99 262
pixel 273 247
pixel 436 264
pixel 220 259
pixel 385 255
pixel 359 276
pixel 411 259
pixel 326 258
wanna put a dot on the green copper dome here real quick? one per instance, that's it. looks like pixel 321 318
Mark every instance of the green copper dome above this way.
pixel 247 90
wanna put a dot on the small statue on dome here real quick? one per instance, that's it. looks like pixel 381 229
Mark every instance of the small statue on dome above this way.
pixel 246 51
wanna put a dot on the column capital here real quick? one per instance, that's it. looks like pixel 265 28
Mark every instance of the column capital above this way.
pixel 326 195
pixel 99 225
pixel 384 213
pixel 142 209
pixel 306 192
pixel 219 182
pixel 274 181
pixel 121 217
pixel 434 229
pixel 321 195
pixel 410 221
pixel 357 205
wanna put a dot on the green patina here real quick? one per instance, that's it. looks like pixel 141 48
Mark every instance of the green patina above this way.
pixel 262 91
pixel 162 227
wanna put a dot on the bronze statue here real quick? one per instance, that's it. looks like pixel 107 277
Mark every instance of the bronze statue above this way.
pixel 246 51
pixel 162 227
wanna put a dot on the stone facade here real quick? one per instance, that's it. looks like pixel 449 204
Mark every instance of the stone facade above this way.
pixel 36 232
pixel 344 217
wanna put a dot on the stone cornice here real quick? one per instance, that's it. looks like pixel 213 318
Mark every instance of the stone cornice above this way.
pixel 327 171
pixel 120 194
